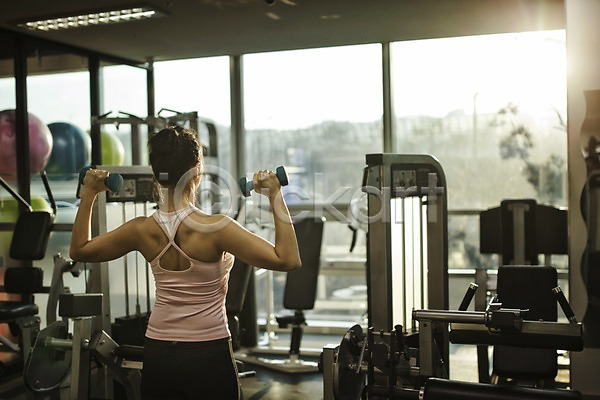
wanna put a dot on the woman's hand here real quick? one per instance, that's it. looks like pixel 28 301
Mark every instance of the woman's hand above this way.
pixel 93 182
pixel 266 183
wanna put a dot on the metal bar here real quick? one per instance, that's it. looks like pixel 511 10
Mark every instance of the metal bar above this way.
pixel 135 145
pixel 403 262
pixel 150 92
pixel 466 301
pixel 22 123
pixel 106 120
pixel 62 47
pixel 238 160
pixel 16 196
pixel 426 351
pixel 518 211
pixel 147 271
pixel 55 343
pixel 329 351
pixel 80 366
pixel 473 317
pixel 125 264
pixel 423 257
pixel 48 191
pixel 95 108
pixel 388 111
pixel 99 283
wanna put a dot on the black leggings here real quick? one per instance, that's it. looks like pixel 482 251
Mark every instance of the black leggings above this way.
pixel 189 371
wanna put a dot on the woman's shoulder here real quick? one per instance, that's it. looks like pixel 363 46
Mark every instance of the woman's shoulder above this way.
pixel 208 223
pixel 142 223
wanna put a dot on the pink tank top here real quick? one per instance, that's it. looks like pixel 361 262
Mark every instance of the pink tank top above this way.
pixel 190 304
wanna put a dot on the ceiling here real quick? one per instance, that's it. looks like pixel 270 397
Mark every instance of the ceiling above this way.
pixel 197 28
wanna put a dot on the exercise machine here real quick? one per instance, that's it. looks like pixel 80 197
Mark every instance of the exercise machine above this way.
pixel 299 296
pixel 520 232
pixel 404 352
pixel 407 245
pixel 401 365
pixel 28 243
pixel 59 364
pixel 210 196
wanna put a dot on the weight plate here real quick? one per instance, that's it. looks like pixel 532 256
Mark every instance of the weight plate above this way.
pixel 46 367
pixel 348 383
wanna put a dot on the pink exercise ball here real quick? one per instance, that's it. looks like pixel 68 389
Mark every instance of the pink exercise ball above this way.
pixel 40 144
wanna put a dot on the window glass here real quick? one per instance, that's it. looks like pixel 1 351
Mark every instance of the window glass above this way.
pixel 7 93
pixel 60 97
pixel 491 108
pixel 58 102
pixel 199 85
pixel 124 96
pixel 318 112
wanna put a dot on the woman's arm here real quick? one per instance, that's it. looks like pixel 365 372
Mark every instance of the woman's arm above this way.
pixel 251 248
pixel 105 247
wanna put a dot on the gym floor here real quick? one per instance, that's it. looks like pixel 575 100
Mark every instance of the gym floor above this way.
pixel 268 384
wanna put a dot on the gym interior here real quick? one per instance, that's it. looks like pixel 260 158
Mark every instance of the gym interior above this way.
pixel 438 157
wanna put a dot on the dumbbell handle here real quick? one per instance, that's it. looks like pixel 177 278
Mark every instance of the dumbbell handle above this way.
pixel 114 182
pixel 248 185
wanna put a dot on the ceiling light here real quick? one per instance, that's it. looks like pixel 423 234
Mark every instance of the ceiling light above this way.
pixel 90 17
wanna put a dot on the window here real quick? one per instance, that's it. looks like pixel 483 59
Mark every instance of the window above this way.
pixel 491 108
pixel 318 112
pixel 124 95
pixel 200 85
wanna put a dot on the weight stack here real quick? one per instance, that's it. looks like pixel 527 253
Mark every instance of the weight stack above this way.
pixel 130 329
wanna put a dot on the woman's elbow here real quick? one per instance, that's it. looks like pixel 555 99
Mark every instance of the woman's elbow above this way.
pixel 78 254
pixel 75 255
pixel 293 265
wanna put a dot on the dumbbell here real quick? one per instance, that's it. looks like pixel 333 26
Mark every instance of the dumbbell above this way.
pixel 114 182
pixel 247 185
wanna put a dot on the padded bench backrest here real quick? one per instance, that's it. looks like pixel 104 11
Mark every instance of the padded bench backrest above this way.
pixel 239 278
pixel 23 280
pixel 527 287
pixel 301 284
pixel 30 237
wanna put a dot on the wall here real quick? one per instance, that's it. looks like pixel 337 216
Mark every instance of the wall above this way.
pixel 583 65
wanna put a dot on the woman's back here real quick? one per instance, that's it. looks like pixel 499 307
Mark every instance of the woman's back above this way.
pixel 195 237
pixel 190 287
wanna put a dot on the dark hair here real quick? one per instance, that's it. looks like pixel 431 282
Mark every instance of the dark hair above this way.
pixel 173 151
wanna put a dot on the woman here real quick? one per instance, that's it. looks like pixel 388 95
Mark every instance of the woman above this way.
pixel 187 353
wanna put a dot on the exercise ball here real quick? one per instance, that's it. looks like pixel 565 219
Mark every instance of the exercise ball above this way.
pixel 40 144
pixel 113 152
pixel 71 149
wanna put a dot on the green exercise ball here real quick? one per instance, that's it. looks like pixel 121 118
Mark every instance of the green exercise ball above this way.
pixel 113 152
